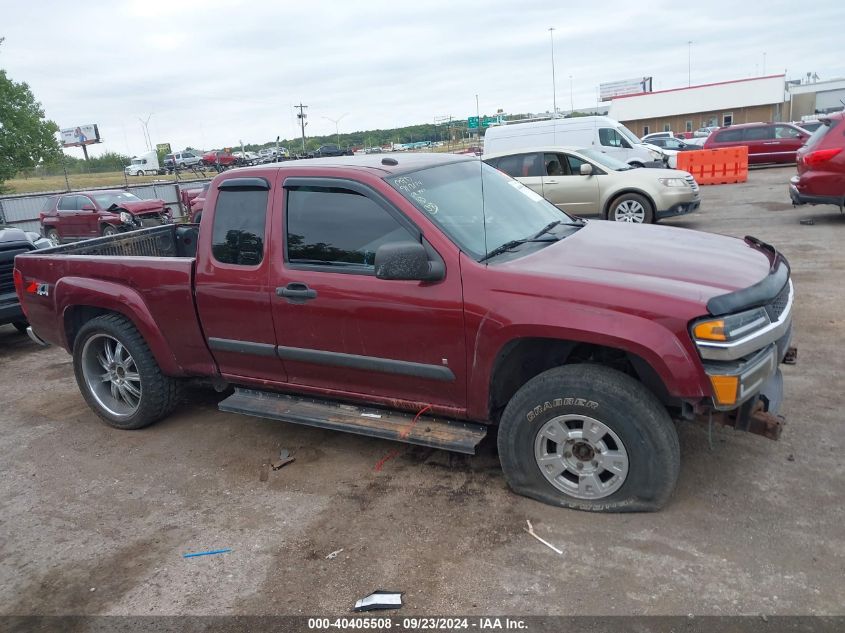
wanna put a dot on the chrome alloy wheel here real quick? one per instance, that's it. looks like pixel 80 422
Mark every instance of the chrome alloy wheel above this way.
pixel 111 376
pixel 581 456
pixel 629 211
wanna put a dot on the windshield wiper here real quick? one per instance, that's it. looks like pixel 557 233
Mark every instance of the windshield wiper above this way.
pixel 578 223
pixel 513 244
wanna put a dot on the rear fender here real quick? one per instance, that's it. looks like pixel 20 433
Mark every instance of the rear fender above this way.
pixel 73 292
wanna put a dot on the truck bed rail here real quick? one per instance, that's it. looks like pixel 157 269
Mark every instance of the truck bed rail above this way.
pixel 170 240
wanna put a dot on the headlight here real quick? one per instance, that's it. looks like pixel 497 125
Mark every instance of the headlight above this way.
pixel 730 327
pixel 126 218
pixel 673 182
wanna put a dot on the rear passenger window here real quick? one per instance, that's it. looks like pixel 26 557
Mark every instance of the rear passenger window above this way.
pixel 238 231
pixel 728 136
pixel 522 166
pixel 68 203
pixel 338 227
pixel 759 133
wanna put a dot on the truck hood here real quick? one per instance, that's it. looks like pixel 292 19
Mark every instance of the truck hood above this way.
pixel 142 206
pixel 692 266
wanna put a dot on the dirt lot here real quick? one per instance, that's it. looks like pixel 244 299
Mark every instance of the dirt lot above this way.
pixel 95 521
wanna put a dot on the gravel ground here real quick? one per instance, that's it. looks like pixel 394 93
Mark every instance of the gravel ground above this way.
pixel 95 520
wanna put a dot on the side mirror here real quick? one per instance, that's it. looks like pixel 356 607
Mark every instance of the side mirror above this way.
pixel 586 169
pixel 88 207
pixel 407 261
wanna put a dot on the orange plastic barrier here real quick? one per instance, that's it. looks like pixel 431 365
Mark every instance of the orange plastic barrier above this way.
pixel 716 166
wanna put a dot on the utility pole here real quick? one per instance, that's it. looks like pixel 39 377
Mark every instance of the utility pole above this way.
pixel 554 89
pixel 571 99
pixel 689 63
pixel 301 116
pixel 478 116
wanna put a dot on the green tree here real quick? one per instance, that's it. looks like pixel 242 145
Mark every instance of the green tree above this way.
pixel 26 137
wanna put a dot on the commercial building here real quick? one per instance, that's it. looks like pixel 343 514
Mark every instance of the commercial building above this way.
pixel 808 99
pixel 717 104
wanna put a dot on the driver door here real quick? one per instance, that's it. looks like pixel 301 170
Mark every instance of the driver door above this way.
pixel 566 188
pixel 338 327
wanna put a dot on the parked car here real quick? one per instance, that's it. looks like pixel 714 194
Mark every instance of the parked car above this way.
pixel 144 165
pixel 766 142
pixel 821 165
pixel 599 132
pixel 810 126
pixel 220 159
pixel 181 160
pixel 704 132
pixel 246 157
pixel 86 214
pixel 589 182
pixel 193 200
pixel 649 138
pixel 674 144
pixel 331 150
pixel 13 242
pixel 466 300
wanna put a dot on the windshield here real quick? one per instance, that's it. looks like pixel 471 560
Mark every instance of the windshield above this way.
pixel 105 200
pixel 468 199
pixel 628 134
pixel 137 161
pixel 604 160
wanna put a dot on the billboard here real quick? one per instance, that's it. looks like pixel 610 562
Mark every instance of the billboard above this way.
pixel 80 135
pixel 624 87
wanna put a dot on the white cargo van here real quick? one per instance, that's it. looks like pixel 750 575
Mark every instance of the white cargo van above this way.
pixel 144 165
pixel 597 132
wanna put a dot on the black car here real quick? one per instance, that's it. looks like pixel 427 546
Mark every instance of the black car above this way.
pixel 676 144
pixel 331 150
pixel 13 242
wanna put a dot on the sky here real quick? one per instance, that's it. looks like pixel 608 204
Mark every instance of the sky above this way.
pixel 211 73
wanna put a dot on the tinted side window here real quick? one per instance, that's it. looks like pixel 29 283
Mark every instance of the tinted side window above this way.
pixel 521 165
pixel 49 205
pixel 338 227
pixel 68 203
pixel 728 136
pixel 574 164
pixel 238 231
pixel 759 133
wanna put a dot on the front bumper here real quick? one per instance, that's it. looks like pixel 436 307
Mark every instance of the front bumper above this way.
pixel 680 208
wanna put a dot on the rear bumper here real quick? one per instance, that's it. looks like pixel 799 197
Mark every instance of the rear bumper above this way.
pixel 681 208
pixel 799 198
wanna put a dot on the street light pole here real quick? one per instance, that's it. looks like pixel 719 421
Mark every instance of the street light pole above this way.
pixel 689 63
pixel 554 88
pixel 571 100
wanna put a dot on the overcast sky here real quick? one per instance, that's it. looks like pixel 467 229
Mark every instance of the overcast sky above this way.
pixel 215 72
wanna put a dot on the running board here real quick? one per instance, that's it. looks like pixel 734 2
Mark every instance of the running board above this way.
pixel 448 435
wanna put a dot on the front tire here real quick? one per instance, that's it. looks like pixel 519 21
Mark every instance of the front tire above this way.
pixel 108 229
pixel 589 437
pixel 632 208
pixel 118 375
pixel 53 236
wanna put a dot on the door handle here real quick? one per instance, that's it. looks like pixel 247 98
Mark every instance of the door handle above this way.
pixel 296 292
pixel 550 182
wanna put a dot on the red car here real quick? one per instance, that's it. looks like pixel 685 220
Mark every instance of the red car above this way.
pixel 192 200
pixel 766 142
pixel 821 165
pixel 220 158
pixel 354 294
pixel 85 214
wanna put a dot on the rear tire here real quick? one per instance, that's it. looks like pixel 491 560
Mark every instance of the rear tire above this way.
pixel 589 437
pixel 632 208
pixel 119 376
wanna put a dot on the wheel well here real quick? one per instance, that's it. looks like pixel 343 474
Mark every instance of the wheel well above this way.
pixel 521 360
pixel 77 316
pixel 610 201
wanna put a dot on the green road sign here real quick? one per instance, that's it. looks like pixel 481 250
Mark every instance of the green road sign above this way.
pixel 163 147
pixel 472 122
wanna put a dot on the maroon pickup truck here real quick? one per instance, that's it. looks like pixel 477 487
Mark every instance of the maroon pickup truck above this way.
pixel 424 299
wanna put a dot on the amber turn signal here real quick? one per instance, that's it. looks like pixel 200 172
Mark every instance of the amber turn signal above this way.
pixel 725 389
pixel 710 330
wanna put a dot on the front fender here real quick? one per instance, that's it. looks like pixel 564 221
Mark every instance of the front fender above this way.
pixel 670 355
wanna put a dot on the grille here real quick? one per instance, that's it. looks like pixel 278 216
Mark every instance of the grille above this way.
pixel 691 182
pixel 778 305
pixel 7 265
